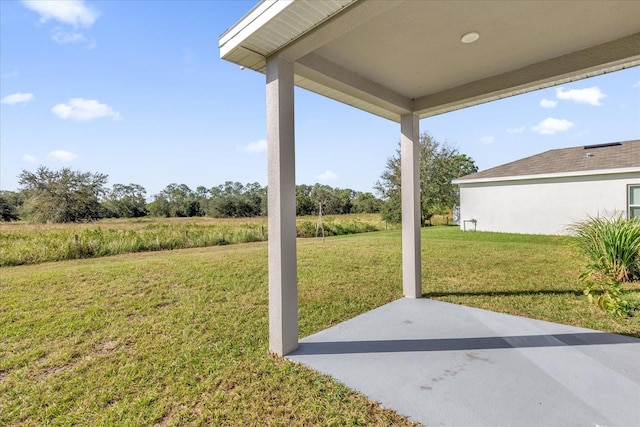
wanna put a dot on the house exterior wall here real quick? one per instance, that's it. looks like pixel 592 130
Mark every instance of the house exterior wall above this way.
pixel 542 206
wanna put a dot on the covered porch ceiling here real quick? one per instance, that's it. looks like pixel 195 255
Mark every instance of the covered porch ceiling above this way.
pixel 402 56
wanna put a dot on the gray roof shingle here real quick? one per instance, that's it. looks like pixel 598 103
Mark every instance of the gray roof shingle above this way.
pixel 615 155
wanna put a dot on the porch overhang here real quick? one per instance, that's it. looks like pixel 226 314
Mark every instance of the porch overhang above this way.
pixel 396 57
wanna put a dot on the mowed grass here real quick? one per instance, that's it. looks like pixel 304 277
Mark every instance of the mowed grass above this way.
pixel 532 276
pixel 180 337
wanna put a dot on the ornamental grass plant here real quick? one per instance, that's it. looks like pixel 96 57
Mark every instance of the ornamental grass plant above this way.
pixel 612 248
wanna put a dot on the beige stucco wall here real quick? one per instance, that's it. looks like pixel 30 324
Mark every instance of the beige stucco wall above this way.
pixel 543 206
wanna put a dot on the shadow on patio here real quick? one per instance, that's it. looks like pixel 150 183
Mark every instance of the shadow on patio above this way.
pixel 457 344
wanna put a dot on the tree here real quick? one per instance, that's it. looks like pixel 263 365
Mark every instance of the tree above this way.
pixel 176 200
pixel 126 201
pixel 334 201
pixel 159 206
pixel 366 203
pixel 203 196
pixel 10 203
pixel 322 195
pixel 233 200
pixel 62 196
pixel 255 196
pixel 439 164
pixel 304 202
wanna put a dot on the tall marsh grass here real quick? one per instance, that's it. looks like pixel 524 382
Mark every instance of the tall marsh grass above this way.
pixel 32 244
pixel 17 249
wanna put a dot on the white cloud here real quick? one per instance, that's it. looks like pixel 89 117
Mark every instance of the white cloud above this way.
pixel 487 139
pixel 17 98
pixel 72 12
pixel 327 176
pixel 28 158
pixel 550 126
pixel 637 84
pixel 548 103
pixel 84 110
pixel 62 156
pixel 63 37
pixel 516 130
pixel 591 95
pixel 256 147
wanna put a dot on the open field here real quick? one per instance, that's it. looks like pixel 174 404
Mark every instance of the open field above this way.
pixel 26 243
pixel 180 337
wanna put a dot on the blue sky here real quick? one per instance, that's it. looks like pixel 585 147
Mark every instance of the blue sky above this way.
pixel 136 90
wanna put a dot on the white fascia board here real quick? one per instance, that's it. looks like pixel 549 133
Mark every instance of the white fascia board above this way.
pixel 255 19
pixel 275 24
pixel 548 176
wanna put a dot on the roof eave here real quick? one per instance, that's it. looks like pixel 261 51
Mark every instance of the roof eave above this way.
pixel 244 43
pixel 617 171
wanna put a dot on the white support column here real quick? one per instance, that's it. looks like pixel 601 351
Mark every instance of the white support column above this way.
pixel 283 280
pixel 410 175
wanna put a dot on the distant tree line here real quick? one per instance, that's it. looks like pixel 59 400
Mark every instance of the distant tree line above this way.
pixel 73 196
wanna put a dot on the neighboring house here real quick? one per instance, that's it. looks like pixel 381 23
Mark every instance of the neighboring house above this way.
pixel 545 193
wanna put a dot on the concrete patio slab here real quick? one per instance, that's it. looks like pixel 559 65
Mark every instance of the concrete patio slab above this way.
pixel 443 364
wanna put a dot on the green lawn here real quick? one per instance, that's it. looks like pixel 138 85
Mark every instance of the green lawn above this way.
pixel 180 337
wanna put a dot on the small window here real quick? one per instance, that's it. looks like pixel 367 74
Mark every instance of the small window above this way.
pixel 634 201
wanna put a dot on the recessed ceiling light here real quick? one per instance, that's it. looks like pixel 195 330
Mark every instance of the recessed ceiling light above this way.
pixel 470 37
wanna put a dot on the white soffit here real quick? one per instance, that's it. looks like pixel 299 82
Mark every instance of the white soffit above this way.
pixel 395 56
pixel 270 25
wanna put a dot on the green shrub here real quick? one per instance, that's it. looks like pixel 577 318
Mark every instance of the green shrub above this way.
pixel 306 228
pixel 612 247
